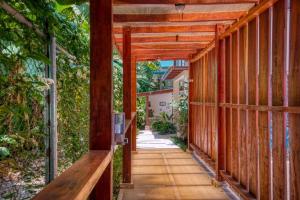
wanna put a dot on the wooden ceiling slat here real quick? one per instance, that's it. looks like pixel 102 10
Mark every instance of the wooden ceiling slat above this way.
pixel 162 51
pixel 182 1
pixel 185 17
pixel 169 39
pixel 168 29
pixel 164 57
pixel 168 46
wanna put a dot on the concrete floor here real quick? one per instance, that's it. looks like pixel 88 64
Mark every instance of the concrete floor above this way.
pixel 165 173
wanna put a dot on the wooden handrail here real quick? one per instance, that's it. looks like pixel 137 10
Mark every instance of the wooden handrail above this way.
pixel 78 181
pixel 128 122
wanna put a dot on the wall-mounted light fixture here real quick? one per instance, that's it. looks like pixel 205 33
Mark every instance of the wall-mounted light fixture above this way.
pixel 179 7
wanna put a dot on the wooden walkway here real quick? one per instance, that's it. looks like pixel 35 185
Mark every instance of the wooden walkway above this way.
pixel 169 174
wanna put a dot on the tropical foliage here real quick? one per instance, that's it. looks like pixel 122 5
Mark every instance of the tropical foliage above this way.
pixel 181 113
pixel 23 59
pixel 163 124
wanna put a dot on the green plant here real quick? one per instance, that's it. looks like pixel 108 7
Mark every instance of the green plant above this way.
pixel 163 124
pixel 182 143
pixel 181 112
pixel 117 171
pixel 141 112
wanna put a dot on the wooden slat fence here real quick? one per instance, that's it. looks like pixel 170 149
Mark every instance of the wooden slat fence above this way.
pixel 257 116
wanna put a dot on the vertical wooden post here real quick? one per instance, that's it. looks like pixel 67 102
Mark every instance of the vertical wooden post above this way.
pixel 190 115
pixel 101 98
pixel 51 115
pixel 294 100
pixel 220 98
pixel 133 102
pixel 127 101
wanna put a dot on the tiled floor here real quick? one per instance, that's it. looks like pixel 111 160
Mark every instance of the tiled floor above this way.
pixel 162 171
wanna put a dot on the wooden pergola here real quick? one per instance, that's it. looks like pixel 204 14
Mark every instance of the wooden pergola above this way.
pixel 244 90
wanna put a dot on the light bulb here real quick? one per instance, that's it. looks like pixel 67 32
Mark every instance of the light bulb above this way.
pixel 179 7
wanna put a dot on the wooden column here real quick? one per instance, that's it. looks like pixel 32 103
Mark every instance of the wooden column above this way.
pixel 133 102
pixel 294 100
pixel 147 111
pixel 127 102
pixel 101 98
pixel 220 98
pixel 190 106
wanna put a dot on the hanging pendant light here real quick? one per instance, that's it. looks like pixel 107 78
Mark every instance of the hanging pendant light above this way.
pixel 179 7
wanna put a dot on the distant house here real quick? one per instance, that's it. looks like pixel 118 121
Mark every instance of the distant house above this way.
pixel 173 84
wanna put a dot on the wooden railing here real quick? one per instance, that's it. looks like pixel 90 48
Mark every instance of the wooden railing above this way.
pixel 78 181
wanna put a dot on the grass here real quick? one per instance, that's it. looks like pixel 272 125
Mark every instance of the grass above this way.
pixel 117 171
pixel 180 142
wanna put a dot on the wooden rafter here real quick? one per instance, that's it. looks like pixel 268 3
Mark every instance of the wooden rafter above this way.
pixel 161 57
pixel 168 29
pixel 169 39
pixel 163 51
pixel 169 46
pixel 183 1
pixel 185 17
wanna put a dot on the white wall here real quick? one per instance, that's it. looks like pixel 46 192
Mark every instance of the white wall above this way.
pixel 155 101
pixel 183 76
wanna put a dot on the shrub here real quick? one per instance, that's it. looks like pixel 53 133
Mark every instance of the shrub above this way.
pixel 117 171
pixel 163 125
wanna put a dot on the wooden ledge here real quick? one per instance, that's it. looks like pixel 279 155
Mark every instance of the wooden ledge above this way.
pixel 78 181
pixel 126 185
pixel 236 186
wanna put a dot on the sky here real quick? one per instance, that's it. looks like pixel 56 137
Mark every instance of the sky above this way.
pixel 166 63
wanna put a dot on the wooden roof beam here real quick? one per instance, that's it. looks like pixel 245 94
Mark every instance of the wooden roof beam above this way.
pixel 168 57
pixel 168 46
pixel 168 29
pixel 115 2
pixel 185 17
pixel 169 39
pixel 162 51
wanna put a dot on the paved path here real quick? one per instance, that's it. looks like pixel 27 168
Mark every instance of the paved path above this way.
pixel 148 140
pixel 161 171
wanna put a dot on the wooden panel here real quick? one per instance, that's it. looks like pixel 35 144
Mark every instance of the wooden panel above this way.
pixel 101 88
pixel 203 116
pixel 243 140
pixel 278 122
pixel 228 99
pixel 214 109
pixel 234 96
pixel 263 120
pixel 221 117
pixel 79 180
pixel 190 107
pixel 294 99
pixel 252 93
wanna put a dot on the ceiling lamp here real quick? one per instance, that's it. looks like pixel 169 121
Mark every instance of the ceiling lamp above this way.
pixel 179 7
